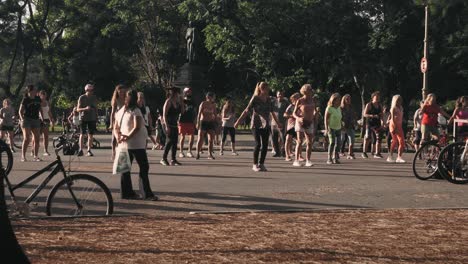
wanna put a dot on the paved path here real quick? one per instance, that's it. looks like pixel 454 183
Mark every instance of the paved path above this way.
pixel 228 184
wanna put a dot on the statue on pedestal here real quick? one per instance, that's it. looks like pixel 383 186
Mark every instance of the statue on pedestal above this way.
pixel 190 37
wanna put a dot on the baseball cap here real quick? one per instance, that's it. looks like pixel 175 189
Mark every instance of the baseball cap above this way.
pixel 187 90
pixel 89 87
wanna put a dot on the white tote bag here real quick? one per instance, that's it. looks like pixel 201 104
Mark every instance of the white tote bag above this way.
pixel 122 162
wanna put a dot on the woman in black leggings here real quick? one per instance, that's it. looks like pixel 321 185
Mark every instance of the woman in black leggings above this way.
pixel 262 108
pixel 172 109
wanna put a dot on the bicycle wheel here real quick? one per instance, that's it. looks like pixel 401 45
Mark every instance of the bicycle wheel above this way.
pixel 450 163
pixel 79 195
pixel 6 157
pixel 425 161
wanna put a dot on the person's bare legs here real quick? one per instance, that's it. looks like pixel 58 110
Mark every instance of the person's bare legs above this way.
pixel 26 140
pixel 287 146
pixel 181 144
pixel 211 138
pixel 200 140
pixel 308 138
pixel 298 146
pixel 90 141
pixel 36 139
pixel 45 139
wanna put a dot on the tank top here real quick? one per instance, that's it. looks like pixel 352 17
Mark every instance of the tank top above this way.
pixel 396 122
pixel 374 121
pixel 45 112
pixel 172 115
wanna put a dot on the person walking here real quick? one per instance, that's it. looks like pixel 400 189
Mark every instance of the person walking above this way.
pixel 87 107
pixel 30 117
pixel 187 123
pixel 277 135
pixel 145 110
pixel 291 122
pixel 349 122
pixel 130 132
pixel 7 126
pixel 374 130
pixel 228 115
pixel 417 126
pixel 262 110
pixel 396 129
pixel 171 111
pixel 333 118
pixel 206 124
pixel 304 113
pixel 47 120
pixel 117 102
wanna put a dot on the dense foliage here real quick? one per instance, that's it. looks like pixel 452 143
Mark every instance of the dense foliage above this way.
pixel 349 46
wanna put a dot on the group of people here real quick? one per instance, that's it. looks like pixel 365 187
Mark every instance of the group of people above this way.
pixel 277 119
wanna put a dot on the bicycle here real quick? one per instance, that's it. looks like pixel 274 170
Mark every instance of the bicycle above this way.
pixel 87 194
pixel 6 157
pixel 74 137
pixel 453 159
pixel 425 159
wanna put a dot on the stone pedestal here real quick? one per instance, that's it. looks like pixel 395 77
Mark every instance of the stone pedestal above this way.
pixel 193 76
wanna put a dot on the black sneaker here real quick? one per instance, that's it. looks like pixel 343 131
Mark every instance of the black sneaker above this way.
pixel 262 167
pixel 89 154
pixel 175 163
pixel 80 153
pixel 364 155
pixel 164 162
pixel 378 156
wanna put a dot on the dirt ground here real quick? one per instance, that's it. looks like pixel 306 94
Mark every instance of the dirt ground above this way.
pixel 355 236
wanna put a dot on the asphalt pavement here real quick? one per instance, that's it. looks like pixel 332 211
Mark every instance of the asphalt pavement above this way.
pixel 228 184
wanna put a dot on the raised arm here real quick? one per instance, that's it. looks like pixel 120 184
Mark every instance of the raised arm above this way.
pixel 244 113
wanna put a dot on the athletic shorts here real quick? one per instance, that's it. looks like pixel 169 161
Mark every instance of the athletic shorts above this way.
pixel 208 125
pixel 31 123
pixel 88 127
pixel 291 132
pixel 301 128
pixel 7 128
pixel 186 129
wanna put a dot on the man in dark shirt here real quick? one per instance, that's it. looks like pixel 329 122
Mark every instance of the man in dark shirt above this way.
pixel 277 136
pixel 87 107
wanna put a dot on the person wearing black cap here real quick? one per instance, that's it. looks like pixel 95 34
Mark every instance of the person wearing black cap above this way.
pixel 206 123
pixel 171 111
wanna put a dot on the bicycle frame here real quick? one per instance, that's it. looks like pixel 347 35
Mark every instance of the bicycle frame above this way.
pixel 58 168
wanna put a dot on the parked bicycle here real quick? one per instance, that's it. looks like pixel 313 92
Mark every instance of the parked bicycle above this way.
pixel 425 159
pixel 73 138
pixel 74 195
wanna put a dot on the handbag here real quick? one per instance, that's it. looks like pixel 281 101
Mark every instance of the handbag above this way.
pixel 122 162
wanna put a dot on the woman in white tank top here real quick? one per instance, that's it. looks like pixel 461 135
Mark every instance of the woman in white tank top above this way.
pixel 47 121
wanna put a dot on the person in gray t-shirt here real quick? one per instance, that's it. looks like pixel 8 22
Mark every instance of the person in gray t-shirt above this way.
pixel 87 107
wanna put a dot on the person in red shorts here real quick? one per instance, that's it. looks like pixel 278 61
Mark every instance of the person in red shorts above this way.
pixel 187 124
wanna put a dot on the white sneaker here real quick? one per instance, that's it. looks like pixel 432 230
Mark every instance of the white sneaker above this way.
pixel 181 155
pixel 309 164
pixel 190 155
pixel 400 160
pixel 235 154
pixel 221 153
pixel 46 154
pixel 256 168
pixel 296 163
pixel 154 147
pixel 390 159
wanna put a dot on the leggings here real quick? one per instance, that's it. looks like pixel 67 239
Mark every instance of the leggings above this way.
pixel 232 133
pixel 334 137
pixel 171 143
pixel 261 141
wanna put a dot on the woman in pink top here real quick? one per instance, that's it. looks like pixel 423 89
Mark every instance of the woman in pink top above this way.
pixel 461 112
pixel 396 129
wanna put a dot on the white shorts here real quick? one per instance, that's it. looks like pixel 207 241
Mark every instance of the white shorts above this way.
pixel 300 128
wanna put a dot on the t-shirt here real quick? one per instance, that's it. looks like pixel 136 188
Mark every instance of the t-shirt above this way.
pixel 88 100
pixel 429 116
pixel 32 107
pixel 335 117
pixel 6 114
pixel 279 109
pixel 189 115
pixel 261 111
pixel 125 120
